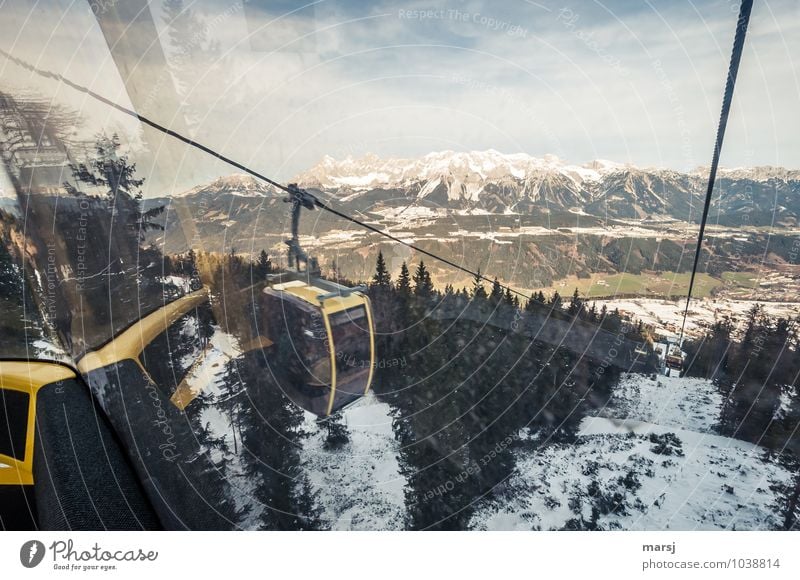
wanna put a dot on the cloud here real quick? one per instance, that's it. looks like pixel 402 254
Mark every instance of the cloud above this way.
pixel 634 82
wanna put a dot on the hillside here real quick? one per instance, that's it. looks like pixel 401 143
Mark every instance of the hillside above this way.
pixel 650 460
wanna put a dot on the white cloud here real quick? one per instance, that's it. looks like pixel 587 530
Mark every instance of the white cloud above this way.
pixel 403 86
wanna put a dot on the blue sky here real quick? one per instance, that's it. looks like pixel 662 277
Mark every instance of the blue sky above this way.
pixel 633 82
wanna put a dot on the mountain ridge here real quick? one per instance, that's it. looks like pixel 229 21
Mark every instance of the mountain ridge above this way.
pixel 520 184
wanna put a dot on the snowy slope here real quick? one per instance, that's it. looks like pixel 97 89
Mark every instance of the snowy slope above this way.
pixel 667 315
pixel 359 486
pixel 639 475
pixel 687 403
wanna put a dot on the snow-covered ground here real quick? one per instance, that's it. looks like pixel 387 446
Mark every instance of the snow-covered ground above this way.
pixel 359 486
pixel 412 213
pixel 682 403
pixel 668 314
pixel 182 283
pixel 648 461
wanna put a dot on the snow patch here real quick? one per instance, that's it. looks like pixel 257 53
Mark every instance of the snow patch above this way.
pixel 648 461
pixel 359 486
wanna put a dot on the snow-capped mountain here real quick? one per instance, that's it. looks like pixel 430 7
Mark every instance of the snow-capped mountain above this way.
pixel 547 192
pixel 519 183
pixel 456 176
pixel 467 173
pixel 758 173
pixel 635 193
pixel 239 184
pixel 501 182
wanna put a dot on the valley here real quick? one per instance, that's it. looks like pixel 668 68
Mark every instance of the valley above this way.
pixel 611 230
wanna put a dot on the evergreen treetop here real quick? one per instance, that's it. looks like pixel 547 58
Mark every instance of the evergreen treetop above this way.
pixel 382 279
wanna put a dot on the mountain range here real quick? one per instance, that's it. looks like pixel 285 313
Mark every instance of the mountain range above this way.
pixel 540 217
pixel 496 183
pixel 519 183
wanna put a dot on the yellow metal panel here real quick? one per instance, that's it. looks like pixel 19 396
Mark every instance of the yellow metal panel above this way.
pixel 339 303
pixel 17 472
pixel 24 375
pixel 256 343
pixel 129 344
pixel 310 295
pixel 333 361
pixel 368 308
pixel 27 377
pixel 301 290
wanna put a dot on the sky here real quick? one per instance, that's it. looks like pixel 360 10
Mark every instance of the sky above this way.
pixel 278 84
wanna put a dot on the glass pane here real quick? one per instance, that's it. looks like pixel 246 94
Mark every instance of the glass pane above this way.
pixel 13 423
pixel 351 338
pixel 558 152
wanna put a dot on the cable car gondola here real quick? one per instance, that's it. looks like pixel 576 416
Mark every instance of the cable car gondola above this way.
pixel 673 361
pixel 324 331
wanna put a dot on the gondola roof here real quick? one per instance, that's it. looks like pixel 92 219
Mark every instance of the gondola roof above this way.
pixel 311 295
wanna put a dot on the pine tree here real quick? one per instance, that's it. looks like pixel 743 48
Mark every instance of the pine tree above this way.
pixel 404 282
pixel 402 302
pixel 496 295
pixel 791 511
pixel 531 304
pixel 264 265
pixel 478 291
pixel 613 321
pixel 754 322
pixel 110 171
pixel 337 434
pixel 509 298
pixel 381 279
pixel 190 270
pixel 234 262
pixel 575 304
pixel 423 285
